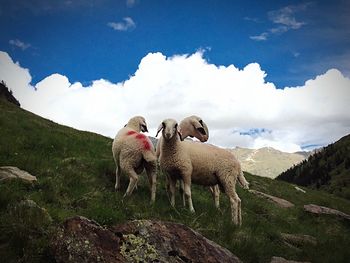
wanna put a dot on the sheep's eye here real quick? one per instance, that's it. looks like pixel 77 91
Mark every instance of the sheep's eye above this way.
pixel 176 126
pixel 163 124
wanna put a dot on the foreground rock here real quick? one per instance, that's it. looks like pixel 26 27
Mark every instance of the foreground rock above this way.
pixel 278 201
pixel 28 215
pixel 82 240
pixel 315 209
pixel 298 240
pixel 283 260
pixel 11 172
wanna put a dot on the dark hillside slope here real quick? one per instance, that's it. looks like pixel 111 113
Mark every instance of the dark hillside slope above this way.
pixel 6 93
pixel 75 176
pixel 327 169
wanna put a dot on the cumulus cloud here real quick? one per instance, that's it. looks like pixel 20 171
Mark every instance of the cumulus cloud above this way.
pixel 125 25
pixel 239 106
pixel 19 44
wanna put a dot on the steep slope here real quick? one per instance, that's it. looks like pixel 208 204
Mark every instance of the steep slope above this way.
pixel 266 162
pixel 7 94
pixel 75 176
pixel 327 169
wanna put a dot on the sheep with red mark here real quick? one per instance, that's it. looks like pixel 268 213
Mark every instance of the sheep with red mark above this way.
pixel 198 163
pixel 133 152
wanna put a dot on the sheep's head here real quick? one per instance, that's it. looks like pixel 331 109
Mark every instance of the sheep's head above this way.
pixel 194 126
pixel 170 129
pixel 138 123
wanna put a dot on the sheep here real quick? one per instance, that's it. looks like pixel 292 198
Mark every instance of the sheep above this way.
pixel 133 152
pixel 200 163
pixel 192 126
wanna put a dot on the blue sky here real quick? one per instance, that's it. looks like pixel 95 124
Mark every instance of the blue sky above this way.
pixel 74 39
pixel 260 73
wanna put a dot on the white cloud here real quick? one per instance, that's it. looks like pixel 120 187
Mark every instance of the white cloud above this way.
pixel 130 3
pixel 261 37
pixel 285 20
pixel 285 16
pixel 232 101
pixel 19 44
pixel 127 24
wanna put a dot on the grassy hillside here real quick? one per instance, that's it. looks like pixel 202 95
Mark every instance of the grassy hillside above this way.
pixel 75 174
pixel 327 169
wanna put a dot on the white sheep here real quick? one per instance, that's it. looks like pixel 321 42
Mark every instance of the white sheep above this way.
pixel 133 152
pixel 192 126
pixel 200 163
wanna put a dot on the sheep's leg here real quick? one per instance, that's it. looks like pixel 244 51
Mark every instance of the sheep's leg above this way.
pixel 182 192
pixel 117 178
pixel 215 191
pixel 235 201
pixel 133 181
pixel 172 188
pixel 187 188
pixel 242 181
pixel 152 178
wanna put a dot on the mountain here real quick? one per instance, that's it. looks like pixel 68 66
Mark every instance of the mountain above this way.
pixel 267 162
pixel 327 169
pixel 75 178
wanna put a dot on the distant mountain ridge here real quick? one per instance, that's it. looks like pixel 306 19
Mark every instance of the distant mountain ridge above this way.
pixel 267 161
pixel 327 169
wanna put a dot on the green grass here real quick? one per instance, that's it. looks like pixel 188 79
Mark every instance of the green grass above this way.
pixel 75 172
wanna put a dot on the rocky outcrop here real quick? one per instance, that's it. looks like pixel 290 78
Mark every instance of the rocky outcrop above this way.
pixel 30 215
pixel 297 241
pixel 316 209
pixel 276 200
pixel 283 260
pixel 11 172
pixel 82 240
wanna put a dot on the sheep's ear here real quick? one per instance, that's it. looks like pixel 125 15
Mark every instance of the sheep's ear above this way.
pixel 198 125
pixel 144 128
pixel 160 127
pixel 179 133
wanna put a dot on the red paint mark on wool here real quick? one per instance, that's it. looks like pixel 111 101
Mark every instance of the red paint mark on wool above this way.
pixel 140 136
pixel 146 144
pixel 131 132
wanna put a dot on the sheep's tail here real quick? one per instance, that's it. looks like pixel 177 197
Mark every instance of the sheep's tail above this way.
pixel 242 181
pixel 149 156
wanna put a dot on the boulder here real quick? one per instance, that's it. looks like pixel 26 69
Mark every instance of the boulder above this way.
pixel 29 215
pixel 278 201
pixel 316 209
pixel 82 240
pixel 298 240
pixel 299 189
pixel 11 172
pixel 170 242
pixel 283 260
